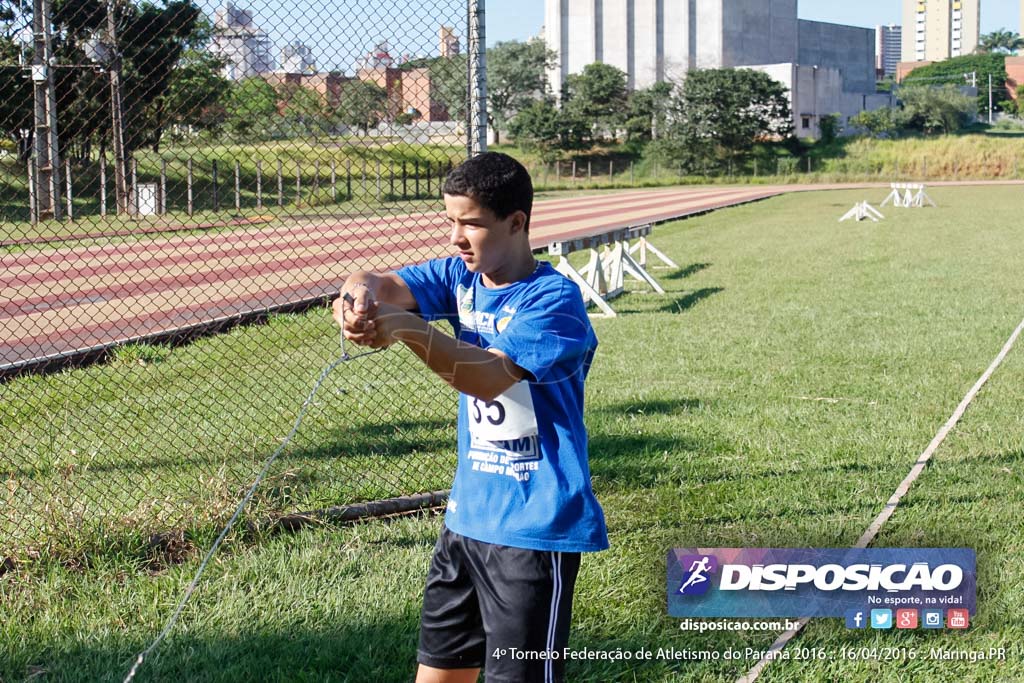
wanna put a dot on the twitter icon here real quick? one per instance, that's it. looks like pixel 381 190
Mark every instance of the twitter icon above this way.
pixel 881 618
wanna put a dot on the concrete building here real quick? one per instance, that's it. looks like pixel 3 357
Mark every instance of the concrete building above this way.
pixel 655 40
pixel 449 42
pixel 297 58
pixel 818 91
pixel 888 49
pixel 934 30
pixel 245 47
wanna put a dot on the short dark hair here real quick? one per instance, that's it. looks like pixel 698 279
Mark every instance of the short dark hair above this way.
pixel 496 181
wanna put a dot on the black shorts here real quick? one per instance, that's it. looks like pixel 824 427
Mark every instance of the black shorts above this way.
pixel 501 608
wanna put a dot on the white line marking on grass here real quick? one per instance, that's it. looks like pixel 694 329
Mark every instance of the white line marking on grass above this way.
pixel 872 531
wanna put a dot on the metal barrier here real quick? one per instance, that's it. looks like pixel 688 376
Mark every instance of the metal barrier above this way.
pixel 183 186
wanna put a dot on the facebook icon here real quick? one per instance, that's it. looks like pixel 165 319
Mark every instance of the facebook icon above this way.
pixel 855 618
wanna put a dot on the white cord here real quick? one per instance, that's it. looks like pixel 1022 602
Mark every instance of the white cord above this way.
pixel 245 501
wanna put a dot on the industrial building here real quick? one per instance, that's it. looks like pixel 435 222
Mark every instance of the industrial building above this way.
pixel 656 40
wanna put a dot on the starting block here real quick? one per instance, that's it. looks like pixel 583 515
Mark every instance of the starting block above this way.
pixel 603 277
pixel 908 196
pixel 862 210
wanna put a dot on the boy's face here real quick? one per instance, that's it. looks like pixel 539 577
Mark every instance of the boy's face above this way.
pixel 485 242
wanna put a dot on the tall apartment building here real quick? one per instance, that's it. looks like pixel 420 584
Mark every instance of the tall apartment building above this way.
pixel 888 48
pixel 934 30
pixel 244 47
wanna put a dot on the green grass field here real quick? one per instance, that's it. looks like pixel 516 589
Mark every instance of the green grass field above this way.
pixel 775 396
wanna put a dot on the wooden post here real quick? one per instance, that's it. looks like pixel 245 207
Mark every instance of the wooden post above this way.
pixel 33 212
pixel 405 191
pixel 428 178
pixel 67 182
pixel 391 179
pixel 163 186
pixel 238 186
pixel 558 173
pixel 259 183
pixel 378 180
pixel 103 185
pixel 590 176
pixel 188 184
pixel 808 164
pixel 298 183
pixel 316 182
pixel 363 181
pixel 417 169
pixel 216 190
pixel 348 179
pixel 632 178
pixel 611 171
pixel 574 171
pixel 280 183
pixel 134 199
pixel 334 182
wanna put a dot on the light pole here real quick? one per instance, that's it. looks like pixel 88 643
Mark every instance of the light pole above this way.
pixel 46 169
pixel 116 113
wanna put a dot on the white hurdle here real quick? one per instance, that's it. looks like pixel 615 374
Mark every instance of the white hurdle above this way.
pixel 908 196
pixel 861 211
pixel 603 277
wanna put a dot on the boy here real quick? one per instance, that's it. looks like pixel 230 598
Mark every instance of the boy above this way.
pixel 521 508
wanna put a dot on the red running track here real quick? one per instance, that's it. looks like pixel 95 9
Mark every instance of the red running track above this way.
pixel 59 302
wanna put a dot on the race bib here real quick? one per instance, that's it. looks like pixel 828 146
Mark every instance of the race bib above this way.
pixel 508 416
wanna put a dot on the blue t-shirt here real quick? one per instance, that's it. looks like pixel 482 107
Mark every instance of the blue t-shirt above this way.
pixel 522 479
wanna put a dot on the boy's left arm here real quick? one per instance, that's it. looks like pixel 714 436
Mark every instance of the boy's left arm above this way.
pixel 482 373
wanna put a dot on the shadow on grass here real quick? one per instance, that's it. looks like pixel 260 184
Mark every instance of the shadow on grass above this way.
pixel 652 407
pixel 690 300
pixel 686 272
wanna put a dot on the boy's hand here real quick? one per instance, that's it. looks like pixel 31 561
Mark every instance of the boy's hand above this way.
pixel 389 321
pixel 355 311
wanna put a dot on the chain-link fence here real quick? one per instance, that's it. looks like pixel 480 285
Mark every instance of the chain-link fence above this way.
pixel 183 187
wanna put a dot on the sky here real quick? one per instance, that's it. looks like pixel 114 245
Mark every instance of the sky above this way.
pixel 522 19
pixel 338 32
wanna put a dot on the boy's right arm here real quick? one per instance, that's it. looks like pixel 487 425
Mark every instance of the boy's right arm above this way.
pixel 355 308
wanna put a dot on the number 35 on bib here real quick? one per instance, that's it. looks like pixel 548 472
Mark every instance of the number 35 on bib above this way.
pixel 508 416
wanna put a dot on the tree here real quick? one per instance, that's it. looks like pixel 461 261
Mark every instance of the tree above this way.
pixel 451 85
pixel 516 76
pixel 966 70
pixel 1001 42
pixel 197 92
pixel 648 111
pixel 830 126
pixel 722 113
pixel 302 110
pixel 937 109
pixel 252 109
pixel 542 128
pixel 598 95
pixel 361 105
pixel 16 116
pixel 885 122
